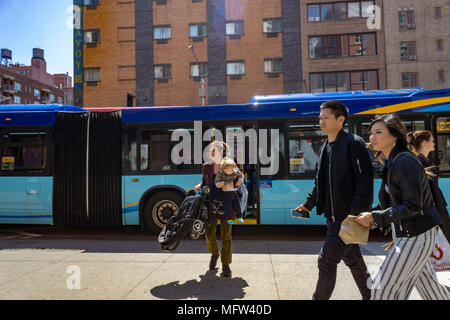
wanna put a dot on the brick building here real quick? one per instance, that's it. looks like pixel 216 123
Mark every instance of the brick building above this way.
pixel 418 43
pixel 64 82
pixel 28 84
pixel 142 49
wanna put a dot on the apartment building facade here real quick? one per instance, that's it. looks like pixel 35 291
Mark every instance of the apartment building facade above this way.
pixel 158 53
pixel 418 43
pixel 18 88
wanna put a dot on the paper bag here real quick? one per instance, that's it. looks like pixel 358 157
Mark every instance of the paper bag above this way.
pixel 352 232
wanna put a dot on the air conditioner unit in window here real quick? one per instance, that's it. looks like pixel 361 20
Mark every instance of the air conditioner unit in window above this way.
pixel 412 58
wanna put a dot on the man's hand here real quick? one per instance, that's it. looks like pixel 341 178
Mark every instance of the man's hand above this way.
pixel 302 208
pixel 197 187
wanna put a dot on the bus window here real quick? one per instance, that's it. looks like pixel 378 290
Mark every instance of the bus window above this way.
pixel 157 153
pixel 443 144
pixel 131 153
pixel 410 125
pixel 305 141
pixel 23 151
pixel 271 163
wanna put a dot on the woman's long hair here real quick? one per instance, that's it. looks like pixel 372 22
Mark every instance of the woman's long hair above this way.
pixel 396 129
pixel 415 140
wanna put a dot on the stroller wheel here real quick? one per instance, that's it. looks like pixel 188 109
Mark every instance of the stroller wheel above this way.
pixel 197 226
pixel 195 235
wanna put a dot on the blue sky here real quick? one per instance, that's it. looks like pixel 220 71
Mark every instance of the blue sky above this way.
pixel 27 24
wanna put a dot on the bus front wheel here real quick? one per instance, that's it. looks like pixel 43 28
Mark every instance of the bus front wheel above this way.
pixel 160 208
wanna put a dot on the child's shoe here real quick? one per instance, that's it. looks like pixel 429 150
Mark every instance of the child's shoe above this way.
pixel 230 221
pixel 241 220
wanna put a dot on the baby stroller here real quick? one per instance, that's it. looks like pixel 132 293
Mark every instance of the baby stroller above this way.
pixel 193 217
pixel 195 214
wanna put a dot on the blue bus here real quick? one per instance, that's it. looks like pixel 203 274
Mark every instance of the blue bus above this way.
pixel 116 167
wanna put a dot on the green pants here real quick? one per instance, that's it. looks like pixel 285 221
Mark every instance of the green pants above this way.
pixel 213 246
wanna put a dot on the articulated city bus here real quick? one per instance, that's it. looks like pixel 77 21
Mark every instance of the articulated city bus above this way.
pixel 125 166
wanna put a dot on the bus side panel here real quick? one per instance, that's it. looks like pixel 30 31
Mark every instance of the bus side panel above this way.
pixel 444 184
pixel 26 200
pixel 133 191
pixel 279 197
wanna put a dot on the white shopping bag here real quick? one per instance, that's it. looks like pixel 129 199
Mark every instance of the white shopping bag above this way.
pixel 440 258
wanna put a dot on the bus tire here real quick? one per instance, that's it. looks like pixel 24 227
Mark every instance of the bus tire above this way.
pixel 159 208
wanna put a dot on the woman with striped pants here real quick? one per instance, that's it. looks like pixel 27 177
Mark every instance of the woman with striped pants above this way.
pixel 407 204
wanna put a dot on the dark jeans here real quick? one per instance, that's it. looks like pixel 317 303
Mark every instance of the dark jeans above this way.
pixel 334 251
pixel 231 201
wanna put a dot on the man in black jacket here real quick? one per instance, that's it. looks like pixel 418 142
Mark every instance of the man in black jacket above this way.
pixel 343 186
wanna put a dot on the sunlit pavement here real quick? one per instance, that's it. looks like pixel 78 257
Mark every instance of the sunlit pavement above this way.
pixel 36 268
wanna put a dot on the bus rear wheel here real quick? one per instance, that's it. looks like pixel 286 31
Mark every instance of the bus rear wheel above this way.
pixel 160 208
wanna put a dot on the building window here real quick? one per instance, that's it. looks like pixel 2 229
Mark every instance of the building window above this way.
pixel 343 46
pixel 406 19
pixel 161 32
pixel 365 9
pixel 437 12
pixel 314 13
pixel 327 12
pixel 92 36
pixel 17 100
pixel 37 93
pixel 343 81
pixel 17 86
pixel 235 28
pixel 410 80
pixel 235 68
pixel 354 9
pixel 273 65
pixel 197 72
pixel 408 51
pixel 197 30
pixel 441 76
pixel 92 74
pixel 91 2
pixel 439 45
pixel 163 71
pixel 339 11
pixel 272 25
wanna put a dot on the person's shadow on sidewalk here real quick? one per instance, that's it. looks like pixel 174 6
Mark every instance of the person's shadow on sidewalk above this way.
pixel 210 287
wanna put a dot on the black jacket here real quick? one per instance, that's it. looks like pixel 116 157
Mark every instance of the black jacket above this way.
pixel 351 175
pixel 438 196
pixel 405 196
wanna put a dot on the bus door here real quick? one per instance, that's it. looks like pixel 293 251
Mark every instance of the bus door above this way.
pixel 273 191
pixel 242 140
pixel 443 154
pixel 304 142
pixel 25 178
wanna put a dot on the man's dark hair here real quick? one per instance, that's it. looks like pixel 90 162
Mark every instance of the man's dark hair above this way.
pixel 337 108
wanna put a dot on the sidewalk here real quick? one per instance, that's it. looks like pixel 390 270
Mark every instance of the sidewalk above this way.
pixel 37 269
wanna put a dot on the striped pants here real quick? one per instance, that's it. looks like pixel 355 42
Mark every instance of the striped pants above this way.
pixel 407 266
